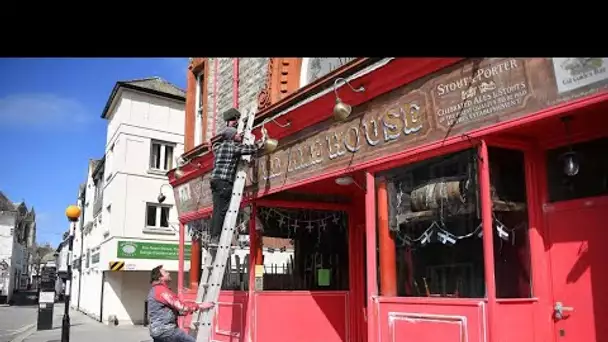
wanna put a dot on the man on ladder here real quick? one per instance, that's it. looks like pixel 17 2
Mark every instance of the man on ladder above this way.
pixel 227 153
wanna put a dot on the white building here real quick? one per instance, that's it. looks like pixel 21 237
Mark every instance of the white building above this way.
pixel 122 219
pixel 17 235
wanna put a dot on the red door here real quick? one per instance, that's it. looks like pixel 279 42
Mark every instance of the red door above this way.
pixel 578 242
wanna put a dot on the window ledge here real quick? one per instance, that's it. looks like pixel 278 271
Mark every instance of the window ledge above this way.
pixel 160 231
pixel 157 172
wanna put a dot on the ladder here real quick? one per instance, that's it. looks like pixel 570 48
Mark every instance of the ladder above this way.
pixel 215 259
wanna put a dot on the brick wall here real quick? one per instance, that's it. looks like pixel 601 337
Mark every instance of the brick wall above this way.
pixel 252 77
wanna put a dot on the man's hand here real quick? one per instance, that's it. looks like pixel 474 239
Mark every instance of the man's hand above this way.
pixel 205 306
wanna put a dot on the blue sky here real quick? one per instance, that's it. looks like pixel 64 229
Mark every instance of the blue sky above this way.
pixel 50 126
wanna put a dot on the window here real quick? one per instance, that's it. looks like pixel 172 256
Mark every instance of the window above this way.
pixel 304 249
pixel 434 225
pixel 157 216
pixel 510 219
pixel 161 156
pixel 590 181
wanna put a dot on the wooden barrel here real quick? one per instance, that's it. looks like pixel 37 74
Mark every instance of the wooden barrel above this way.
pixel 431 195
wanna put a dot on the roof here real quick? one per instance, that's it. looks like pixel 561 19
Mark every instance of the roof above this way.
pixel 93 163
pixel 6 204
pixel 151 85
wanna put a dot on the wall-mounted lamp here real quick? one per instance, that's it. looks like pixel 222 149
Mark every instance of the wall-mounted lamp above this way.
pixel 161 198
pixel 569 159
pixel 342 110
pixel 348 180
pixel 269 144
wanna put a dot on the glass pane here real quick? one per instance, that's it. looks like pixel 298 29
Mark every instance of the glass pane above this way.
pixel 511 244
pixel 592 177
pixel 168 157
pixel 155 156
pixel 434 225
pixel 164 216
pixel 151 216
pixel 304 249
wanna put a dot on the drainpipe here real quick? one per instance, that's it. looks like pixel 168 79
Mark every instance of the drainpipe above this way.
pixel 216 68
pixel 235 83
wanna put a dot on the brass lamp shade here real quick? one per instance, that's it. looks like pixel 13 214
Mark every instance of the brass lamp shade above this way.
pixel 270 145
pixel 341 110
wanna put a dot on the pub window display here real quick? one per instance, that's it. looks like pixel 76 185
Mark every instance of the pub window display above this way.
pixel 236 276
pixel 304 250
pixel 435 221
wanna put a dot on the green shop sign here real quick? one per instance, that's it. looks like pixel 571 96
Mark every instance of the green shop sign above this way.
pixel 150 250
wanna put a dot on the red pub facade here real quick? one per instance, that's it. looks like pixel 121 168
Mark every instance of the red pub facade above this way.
pixel 459 200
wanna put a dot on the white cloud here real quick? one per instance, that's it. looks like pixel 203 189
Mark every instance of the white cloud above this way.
pixel 41 110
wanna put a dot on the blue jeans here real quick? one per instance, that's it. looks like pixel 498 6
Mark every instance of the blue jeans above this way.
pixel 178 335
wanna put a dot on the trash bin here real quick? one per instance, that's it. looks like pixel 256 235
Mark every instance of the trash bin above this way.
pixel 46 303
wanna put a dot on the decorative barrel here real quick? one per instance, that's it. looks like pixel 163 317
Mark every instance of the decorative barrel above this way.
pixel 433 194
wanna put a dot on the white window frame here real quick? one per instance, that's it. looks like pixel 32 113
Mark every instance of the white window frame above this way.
pixel 157 227
pixel 198 110
pixel 163 152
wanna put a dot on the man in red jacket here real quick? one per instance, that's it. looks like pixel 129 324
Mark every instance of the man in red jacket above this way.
pixel 164 307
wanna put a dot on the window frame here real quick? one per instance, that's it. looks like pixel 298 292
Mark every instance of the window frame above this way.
pixel 157 227
pixel 162 156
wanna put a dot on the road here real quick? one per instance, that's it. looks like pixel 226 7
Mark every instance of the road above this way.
pixel 15 320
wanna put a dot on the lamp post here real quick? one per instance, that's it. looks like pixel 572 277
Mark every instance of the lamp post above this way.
pixel 73 214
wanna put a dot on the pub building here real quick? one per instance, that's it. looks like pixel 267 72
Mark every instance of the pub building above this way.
pixel 426 199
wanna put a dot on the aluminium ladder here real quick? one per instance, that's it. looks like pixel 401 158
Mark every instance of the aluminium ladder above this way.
pixel 215 259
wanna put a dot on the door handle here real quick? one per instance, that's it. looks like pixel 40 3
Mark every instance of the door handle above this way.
pixel 559 309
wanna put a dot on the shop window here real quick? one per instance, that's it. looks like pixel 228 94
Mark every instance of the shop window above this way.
pixel 592 177
pixel 236 276
pixel 510 222
pixel 434 222
pixel 304 249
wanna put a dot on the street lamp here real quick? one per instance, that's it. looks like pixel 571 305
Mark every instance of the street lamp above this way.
pixel 73 214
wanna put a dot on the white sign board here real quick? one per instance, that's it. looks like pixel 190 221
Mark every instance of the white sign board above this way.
pixel 574 73
pixel 46 297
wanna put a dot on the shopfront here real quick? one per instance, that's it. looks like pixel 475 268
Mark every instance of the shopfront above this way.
pixel 461 200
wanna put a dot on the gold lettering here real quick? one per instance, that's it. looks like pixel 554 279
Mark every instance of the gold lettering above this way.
pixel 318 151
pixel 375 140
pixel 390 128
pixel 410 114
pixel 333 140
pixel 357 139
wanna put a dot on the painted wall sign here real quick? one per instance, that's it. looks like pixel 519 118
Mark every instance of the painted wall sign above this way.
pixel 149 250
pixel 467 96
pixel 574 73
pixel 193 195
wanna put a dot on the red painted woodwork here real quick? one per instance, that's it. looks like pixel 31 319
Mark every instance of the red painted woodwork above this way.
pixel 301 316
pixel 487 224
pixel 517 320
pixel 450 320
pixel 386 245
pixel 229 321
pixel 578 266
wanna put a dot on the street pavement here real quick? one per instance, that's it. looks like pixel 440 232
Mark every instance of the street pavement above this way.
pixel 85 329
pixel 18 319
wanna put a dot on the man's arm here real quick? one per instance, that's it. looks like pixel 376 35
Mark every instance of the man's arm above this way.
pixel 246 149
pixel 168 298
